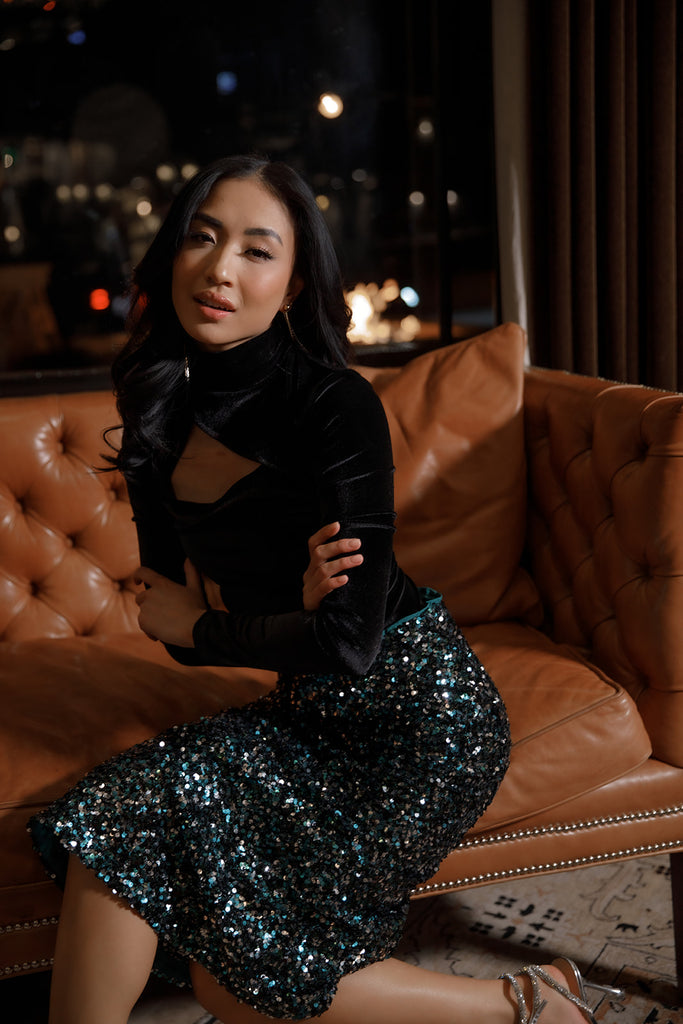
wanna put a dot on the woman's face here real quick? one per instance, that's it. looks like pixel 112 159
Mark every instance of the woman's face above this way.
pixel 234 270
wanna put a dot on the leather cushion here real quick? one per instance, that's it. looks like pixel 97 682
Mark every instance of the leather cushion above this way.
pixel 457 430
pixel 70 704
pixel 573 728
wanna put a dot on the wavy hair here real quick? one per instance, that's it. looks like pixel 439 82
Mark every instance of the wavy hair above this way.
pixel 149 372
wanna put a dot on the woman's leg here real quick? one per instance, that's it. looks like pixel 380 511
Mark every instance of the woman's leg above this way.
pixel 105 952
pixel 393 992
pixel 103 957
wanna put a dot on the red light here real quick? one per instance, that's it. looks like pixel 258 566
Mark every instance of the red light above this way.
pixel 50 5
pixel 99 299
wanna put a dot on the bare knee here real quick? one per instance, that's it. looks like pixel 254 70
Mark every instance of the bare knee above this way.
pixel 225 1007
pixel 207 991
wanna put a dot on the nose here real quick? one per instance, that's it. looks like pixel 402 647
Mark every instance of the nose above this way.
pixel 219 266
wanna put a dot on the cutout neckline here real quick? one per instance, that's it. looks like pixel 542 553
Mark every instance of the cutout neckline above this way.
pixel 205 459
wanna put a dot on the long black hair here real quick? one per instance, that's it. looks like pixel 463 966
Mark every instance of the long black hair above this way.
pixel 149 372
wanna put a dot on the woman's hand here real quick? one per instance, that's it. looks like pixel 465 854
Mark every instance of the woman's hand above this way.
pixel 325 562
pixel 169 610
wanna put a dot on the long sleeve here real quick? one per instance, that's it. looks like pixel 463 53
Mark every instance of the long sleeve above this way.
pixel 160 548
pixel 322 442
pixel 345 440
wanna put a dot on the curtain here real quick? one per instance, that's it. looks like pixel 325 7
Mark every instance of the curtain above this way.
pixel 601 200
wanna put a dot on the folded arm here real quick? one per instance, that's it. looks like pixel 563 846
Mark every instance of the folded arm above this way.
pixel 349 453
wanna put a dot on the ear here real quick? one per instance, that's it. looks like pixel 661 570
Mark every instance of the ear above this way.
pixel 296 284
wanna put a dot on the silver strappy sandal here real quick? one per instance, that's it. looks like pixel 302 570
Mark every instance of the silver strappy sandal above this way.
pixel 536 974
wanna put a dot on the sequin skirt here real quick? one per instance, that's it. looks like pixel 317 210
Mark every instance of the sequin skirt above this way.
pixel 277 844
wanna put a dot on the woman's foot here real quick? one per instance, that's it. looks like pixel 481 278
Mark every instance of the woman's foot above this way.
pixel 553 994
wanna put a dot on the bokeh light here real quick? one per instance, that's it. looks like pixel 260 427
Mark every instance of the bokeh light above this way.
pixel 330 105
pixel 99 299
pixel 410 296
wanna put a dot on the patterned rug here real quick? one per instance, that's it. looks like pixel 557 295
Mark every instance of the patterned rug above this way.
pixel 613 919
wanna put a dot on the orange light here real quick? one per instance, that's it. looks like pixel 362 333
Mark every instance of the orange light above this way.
pixel 50 5
pixel 99 299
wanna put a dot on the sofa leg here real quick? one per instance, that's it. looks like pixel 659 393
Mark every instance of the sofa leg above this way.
pixel 676 860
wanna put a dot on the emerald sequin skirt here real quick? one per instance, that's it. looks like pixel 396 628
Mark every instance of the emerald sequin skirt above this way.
pixel 277 844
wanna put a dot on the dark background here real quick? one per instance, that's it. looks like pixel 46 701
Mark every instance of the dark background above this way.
pixel 102 93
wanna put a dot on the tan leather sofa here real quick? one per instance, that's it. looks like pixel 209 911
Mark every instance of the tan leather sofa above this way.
pixel 548 508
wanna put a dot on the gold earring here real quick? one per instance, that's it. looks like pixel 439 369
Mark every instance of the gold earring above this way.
pixel 285 312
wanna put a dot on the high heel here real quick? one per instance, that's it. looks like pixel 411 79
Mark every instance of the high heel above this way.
pixel 575 993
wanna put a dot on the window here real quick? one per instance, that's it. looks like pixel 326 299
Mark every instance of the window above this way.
pixel 107 105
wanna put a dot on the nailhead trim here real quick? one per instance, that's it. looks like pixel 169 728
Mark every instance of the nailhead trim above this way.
pixel 27 925
pixel 540 869
pixel 32 966
pixel 578 826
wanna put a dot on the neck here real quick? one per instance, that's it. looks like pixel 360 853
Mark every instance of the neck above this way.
pixel 238 368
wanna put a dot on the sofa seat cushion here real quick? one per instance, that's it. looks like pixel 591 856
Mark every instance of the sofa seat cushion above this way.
pixel 573 728
pixel 71 704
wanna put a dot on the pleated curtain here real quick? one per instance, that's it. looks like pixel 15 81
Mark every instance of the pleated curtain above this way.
pixel 593 257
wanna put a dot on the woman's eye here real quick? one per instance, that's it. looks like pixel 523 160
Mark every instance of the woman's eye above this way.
pixel 200 236
pixel 261 254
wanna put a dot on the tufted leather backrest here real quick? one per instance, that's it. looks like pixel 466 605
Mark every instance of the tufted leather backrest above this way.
pixel 605 464
pixel 67 544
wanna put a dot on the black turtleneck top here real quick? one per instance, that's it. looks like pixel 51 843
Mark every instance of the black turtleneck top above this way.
pixel 321 439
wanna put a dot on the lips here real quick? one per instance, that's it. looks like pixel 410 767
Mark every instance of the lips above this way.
pixel 214 302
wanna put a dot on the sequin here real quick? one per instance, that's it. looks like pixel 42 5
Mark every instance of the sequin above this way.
pixel 277 844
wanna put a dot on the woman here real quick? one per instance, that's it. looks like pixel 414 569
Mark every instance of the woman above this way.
pixel 266 854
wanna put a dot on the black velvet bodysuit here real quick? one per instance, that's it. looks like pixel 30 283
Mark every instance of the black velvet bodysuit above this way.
pixel 322 443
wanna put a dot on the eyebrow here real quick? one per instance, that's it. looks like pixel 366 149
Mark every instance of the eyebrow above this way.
pixel 214 223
